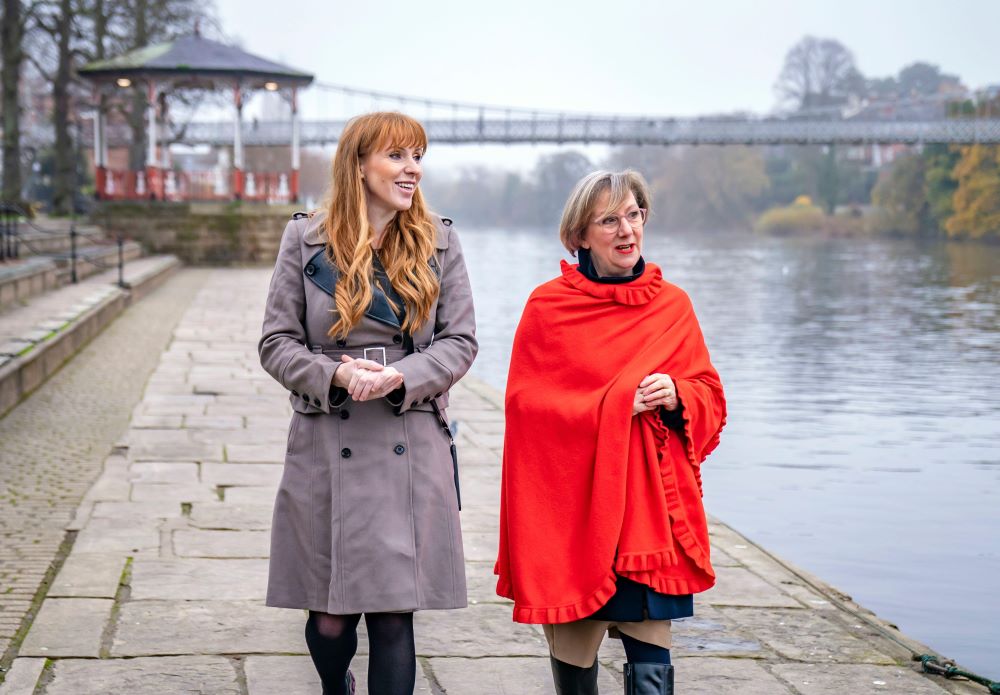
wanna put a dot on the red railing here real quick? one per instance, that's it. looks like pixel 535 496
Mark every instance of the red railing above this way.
pixel 259 186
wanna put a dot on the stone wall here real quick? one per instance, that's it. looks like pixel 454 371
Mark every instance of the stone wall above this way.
pixel 200 233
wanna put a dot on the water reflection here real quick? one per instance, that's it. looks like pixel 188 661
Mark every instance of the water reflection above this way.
pixel 863 436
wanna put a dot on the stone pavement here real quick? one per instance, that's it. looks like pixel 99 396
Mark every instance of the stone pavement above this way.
pixel 162 590
pixel 55 442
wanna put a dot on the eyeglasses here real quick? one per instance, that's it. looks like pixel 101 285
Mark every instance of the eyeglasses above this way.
pixel 611 223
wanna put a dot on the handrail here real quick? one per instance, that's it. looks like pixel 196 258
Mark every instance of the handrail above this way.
pixel 12 238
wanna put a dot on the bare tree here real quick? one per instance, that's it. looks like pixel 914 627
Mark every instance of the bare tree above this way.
pixel 55 20
pixel 818 72
pixel 15 17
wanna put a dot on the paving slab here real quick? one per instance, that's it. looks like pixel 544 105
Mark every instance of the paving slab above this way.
pixel 108 535
pixel 714 676
pixel 235 544
pixel 128 512
pixel 250 495
pixel 805 635
pixel 738 586
pixel 256 453
pixel 296 675
pixel 477 631
pixel 857 680
pixel 232 515
pixel 68 627
pixel 201 579
pixel 493 676
pixel 241 474
pixel 93 575
pixel 152 628
pixel 22 677
pixel 175 492
pixel 168 675
pixel 163 472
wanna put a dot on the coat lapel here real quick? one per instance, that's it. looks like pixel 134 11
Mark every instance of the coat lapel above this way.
pixel 322 273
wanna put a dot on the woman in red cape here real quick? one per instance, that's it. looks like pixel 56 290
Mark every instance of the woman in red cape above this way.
pixel 612 405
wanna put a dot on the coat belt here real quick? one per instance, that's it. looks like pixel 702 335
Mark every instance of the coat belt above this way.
pixel 376 353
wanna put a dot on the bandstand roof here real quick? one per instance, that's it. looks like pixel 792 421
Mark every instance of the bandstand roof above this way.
pixel 194 61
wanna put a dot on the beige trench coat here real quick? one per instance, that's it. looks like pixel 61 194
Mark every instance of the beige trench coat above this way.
pixel 366 517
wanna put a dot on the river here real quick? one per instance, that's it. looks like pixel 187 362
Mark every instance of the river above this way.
pixel 863 382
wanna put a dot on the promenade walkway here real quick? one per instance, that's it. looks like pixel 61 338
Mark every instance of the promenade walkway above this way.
pixel 161 582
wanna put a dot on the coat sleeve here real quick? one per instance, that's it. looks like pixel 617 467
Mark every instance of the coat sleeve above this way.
pixel 283 348
pixel 430 372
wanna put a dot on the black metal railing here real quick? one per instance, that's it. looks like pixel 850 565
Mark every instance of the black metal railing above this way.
pixel 12 239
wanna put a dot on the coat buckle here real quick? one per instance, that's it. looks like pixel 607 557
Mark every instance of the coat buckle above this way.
pixel 375 351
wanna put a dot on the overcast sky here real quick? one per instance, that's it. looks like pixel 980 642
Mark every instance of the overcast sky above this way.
pixel 626 56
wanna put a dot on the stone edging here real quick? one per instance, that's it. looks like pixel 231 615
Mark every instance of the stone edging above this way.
pixel 33 365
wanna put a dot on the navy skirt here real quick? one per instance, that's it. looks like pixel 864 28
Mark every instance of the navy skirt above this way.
pixel 633 602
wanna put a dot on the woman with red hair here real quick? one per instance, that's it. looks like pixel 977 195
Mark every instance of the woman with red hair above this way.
pixel 612 404
pixel 369 321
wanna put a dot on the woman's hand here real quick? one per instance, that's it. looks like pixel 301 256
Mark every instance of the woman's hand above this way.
pixel 638 405
pixel 365 379
pixel 657 390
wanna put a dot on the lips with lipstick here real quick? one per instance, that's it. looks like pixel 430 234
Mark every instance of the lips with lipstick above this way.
pixel 625 249
pixel 407 186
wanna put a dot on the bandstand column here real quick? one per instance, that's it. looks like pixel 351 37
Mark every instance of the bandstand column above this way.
pixel 152 170
pixel 296 156
pixel 100 150
pixel 238 143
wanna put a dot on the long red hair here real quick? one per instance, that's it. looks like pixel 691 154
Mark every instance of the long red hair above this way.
pixel 408 242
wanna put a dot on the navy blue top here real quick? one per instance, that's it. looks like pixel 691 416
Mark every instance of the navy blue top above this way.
pixel 632 601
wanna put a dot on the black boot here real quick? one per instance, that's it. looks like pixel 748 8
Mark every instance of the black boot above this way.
pixel 574 680
pixel 649 679
pixel 349 684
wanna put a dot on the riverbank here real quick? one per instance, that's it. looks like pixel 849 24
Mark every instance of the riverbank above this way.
pixel 161 585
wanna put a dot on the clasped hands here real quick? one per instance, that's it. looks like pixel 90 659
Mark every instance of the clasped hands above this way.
pixel 655 390
pixel 366 380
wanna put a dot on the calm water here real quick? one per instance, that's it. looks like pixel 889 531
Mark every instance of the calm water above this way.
pixel 862 377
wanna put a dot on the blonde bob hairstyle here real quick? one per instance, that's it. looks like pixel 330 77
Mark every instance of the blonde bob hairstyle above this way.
pixel 408 241
pixel 580 208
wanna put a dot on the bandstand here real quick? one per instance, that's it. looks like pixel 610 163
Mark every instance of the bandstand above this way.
pixel 193 62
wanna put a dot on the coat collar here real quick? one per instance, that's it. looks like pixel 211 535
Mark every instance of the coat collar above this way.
pixel 314 235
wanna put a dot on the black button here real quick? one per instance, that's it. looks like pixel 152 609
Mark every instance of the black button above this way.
pixel 397 339
pixel 437 395
pixel 317 403
pixel 414 404
pixel 294 392
pixel 427 399
pixel 305 397
pixel 346 453
pixel 400 449
pixel 310 269
pixel 344 415
pixel 341 342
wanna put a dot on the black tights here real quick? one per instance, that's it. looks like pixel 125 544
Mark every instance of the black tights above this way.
pixel 637 651
pixel 392 661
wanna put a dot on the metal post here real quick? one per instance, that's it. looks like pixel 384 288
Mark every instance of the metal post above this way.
pixel 72 253
pixel 121 261
pixel 4 232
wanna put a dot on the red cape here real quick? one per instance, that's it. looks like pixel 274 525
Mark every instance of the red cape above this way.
pixel 589 490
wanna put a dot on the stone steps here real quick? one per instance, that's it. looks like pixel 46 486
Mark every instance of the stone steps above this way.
pixel 36 339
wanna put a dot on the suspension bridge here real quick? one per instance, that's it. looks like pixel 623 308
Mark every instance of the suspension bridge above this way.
pixel 911 121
